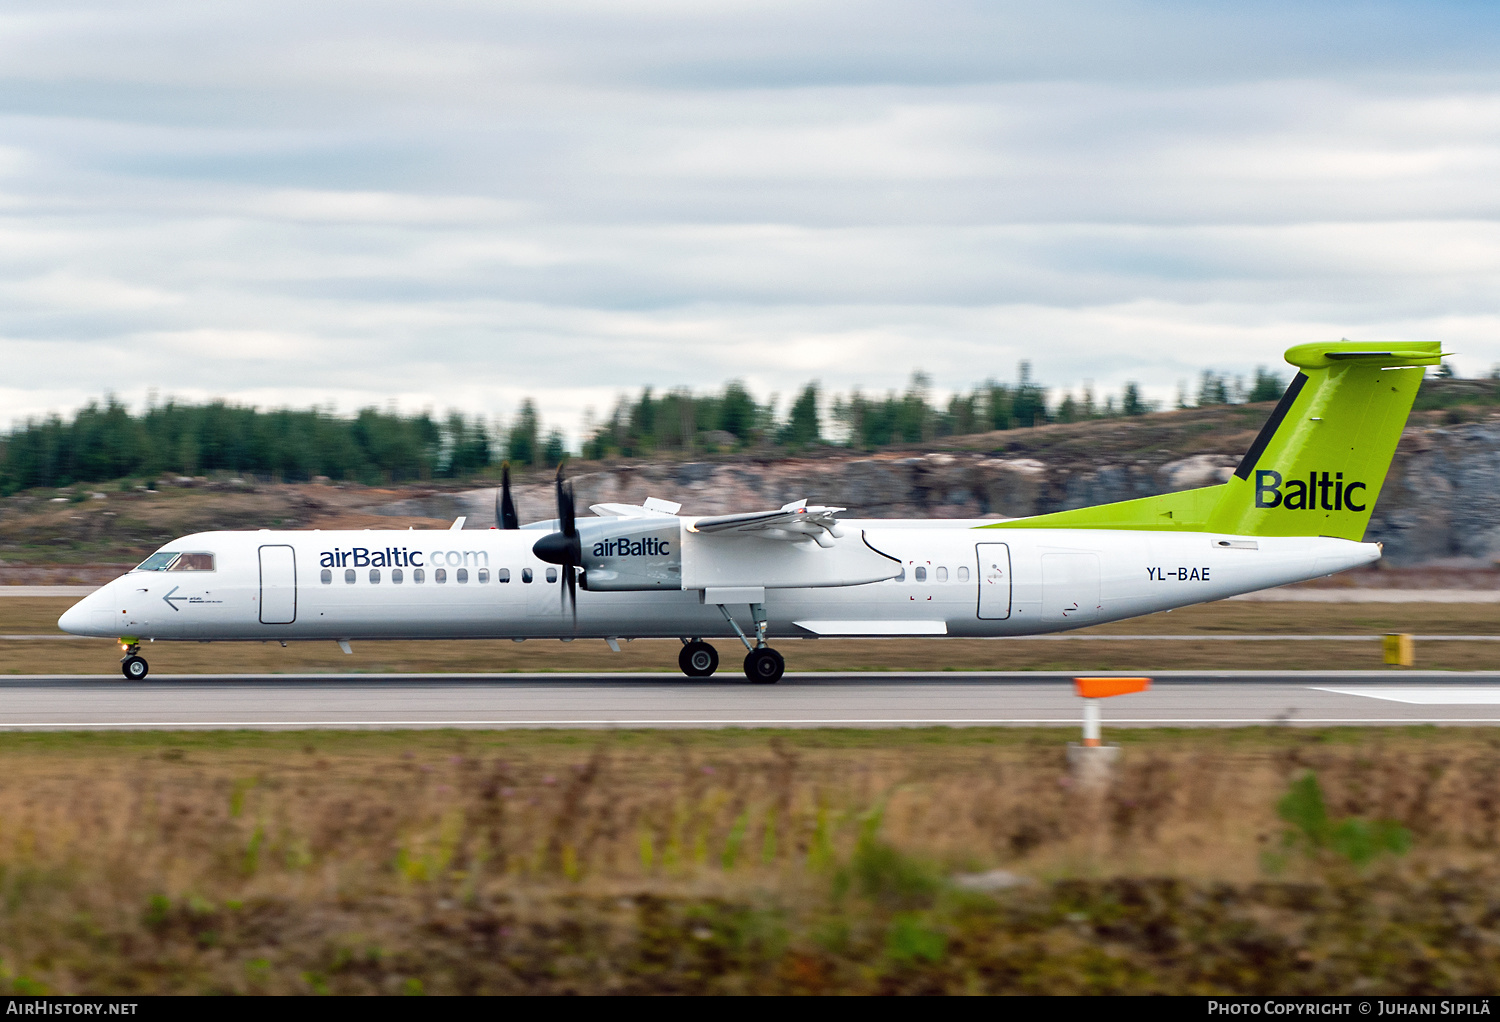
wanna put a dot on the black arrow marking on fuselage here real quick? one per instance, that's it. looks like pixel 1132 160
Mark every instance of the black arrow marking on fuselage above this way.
pixel 167 599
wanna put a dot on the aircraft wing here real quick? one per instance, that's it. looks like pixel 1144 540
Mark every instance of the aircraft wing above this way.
pixel 792 522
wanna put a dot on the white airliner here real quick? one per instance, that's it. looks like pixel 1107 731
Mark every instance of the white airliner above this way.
pixel 1295 509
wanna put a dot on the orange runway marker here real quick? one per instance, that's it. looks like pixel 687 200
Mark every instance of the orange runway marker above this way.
pixel 1094 689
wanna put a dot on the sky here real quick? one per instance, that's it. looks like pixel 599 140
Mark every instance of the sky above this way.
pixel 455 204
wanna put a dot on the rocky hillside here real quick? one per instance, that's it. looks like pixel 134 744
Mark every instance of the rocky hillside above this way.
pixel 1441 503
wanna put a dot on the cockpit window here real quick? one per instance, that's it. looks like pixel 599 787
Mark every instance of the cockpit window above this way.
pixel 158 562
pixel 194 562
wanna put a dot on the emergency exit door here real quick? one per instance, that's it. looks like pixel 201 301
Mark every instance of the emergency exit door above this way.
pixel 994 581
pixel 278 585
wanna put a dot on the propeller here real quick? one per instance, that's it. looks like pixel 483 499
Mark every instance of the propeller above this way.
pixel 563 547
pixel 505 508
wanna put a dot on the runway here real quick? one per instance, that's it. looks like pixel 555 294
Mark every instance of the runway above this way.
pixel 354 701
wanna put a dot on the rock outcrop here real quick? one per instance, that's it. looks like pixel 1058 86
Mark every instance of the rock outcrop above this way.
pixel 1441 502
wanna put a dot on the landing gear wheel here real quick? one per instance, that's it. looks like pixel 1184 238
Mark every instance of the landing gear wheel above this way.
pixel 698 659
pixel 764 666
pixel 134 668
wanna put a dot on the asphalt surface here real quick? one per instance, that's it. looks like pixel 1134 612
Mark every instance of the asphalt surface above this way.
pixel 1178 699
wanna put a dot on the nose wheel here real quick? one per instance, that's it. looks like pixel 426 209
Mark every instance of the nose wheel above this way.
pixel 134 666
pixel 698 659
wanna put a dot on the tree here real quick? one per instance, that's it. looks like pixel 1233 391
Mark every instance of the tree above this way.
pixel 1068 410
pixel 1029 402
pixel 737 411
pixel 1132 404
pixel 1212 390
pixel 1267 386
pixel 802 427
pixel 913 416
pixel 998 405
pixel 465 445
pixel 555 449
pixel 643 422
pixel 521 443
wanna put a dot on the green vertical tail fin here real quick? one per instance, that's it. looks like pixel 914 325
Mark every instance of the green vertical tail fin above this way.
pixel 1318 465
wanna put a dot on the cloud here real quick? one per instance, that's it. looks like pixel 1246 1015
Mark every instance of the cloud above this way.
pixel 459 205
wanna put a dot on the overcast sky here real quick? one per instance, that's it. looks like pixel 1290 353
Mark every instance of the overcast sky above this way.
pixel 456 204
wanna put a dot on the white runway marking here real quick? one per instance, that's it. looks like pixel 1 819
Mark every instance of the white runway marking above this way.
pixel 1433 695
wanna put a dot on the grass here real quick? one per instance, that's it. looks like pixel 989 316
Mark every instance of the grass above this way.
pixel 771 861
pixel 39 616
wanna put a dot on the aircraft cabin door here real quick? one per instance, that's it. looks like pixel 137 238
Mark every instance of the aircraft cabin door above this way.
pixel 994 581
pixel 278 585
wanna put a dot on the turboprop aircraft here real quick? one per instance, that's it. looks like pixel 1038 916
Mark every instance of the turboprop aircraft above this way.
pixel 1296 508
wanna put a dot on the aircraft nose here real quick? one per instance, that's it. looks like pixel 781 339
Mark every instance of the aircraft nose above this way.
pixel 75 618
pixel 80 619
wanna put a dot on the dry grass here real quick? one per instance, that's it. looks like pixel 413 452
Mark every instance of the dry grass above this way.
pixel 742 861
pixel 39 616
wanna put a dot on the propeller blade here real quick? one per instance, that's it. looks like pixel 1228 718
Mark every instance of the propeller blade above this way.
pixel 566 518
pixel 505 508
pixel 563 548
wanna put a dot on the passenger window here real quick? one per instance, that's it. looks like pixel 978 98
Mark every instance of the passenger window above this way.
pixel 418 576
pixel 327 576
pixel 920 574
pixel 440 575
pixel 900 577
pixel 942 574
pixel 157 562
pixel 375 576
pixel 503 575
pixel 551 574
pixel 963 574
pixel 194 562
pixel 525 574
pixel 461 576
pixel 349 576
pixel 484 575
pixel 396 576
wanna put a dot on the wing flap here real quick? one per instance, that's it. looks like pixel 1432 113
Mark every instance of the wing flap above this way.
pixel 792 522
pixel 873 628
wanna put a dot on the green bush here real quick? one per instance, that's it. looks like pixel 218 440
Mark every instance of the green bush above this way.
pixel 1313 832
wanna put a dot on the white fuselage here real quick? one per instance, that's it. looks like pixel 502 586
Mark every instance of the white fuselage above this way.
pixel 972 582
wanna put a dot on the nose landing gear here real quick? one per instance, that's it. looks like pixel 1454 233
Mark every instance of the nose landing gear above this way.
pixel 133 665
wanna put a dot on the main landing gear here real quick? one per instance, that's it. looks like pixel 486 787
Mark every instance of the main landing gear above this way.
pixel 133 666
pixel 763 665
pixel 698 659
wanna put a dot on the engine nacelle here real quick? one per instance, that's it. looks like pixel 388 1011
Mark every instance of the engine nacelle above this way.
pixel 630 554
